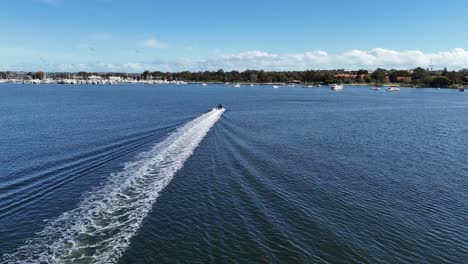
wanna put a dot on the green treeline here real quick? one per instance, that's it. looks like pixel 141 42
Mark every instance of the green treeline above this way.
pixel 415 77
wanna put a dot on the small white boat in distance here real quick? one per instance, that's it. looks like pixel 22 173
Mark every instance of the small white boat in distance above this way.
pixel 336 87
pixel 393 89
pixel 237 85
pixel 374 88
pixel 204 84
pixel 275 86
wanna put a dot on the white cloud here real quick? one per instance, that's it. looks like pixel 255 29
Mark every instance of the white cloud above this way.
pixel 355 59
pixel 155 43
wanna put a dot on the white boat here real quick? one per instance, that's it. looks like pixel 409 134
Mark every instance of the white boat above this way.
pixel 374 88
pixel 393 89
pixel 204 84
pixel 275 86
pixel 237 85
pixel 337 87
pixel 252 85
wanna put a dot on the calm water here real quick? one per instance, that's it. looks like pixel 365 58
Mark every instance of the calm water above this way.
pixel 106 174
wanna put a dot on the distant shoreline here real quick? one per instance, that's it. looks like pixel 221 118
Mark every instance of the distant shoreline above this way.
pixel 159 82
pixel 327 84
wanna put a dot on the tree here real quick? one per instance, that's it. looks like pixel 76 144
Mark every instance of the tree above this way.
pixel 146 75
pixel 358 79
pixel 83 74
pixel 439 81
pixel 455 77
pixel 393 77
pixel 403 73
pixel 361 72
pixel 368 79
pixel 253 77
pixel 39 75
pixel 444 72
pixel 419 74
pixel 379 75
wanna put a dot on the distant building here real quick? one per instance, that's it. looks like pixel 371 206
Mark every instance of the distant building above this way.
pixel 115 78
pixel 349 75
pixel 17 75
pixel 95 78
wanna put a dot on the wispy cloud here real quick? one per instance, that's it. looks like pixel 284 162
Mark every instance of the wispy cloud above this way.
pixel 155 43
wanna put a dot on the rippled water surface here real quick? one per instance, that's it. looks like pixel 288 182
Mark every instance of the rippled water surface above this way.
pixel 150 174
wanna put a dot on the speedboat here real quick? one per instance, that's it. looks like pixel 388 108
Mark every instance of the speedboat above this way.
pixel 220 107
pixel 393 89
pixel 336 87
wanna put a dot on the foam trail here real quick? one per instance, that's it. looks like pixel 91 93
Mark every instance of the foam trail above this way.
pixel 100 228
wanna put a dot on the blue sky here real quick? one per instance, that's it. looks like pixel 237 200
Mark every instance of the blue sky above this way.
pixel 120 35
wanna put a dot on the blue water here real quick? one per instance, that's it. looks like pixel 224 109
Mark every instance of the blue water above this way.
pixel 99 174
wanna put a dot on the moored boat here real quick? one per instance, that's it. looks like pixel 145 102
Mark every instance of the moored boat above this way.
pixel 393 89
pixel 336 87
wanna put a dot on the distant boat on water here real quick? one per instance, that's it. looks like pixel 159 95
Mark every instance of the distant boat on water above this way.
pixel 237 85
pixel 336 87
pixel 275 86
pixel 204 84
pixel 393 89
pixel 376 87
pixel 310 85
pixel 461 89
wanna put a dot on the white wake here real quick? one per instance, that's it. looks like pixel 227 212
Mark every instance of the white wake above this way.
pixel 100 228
